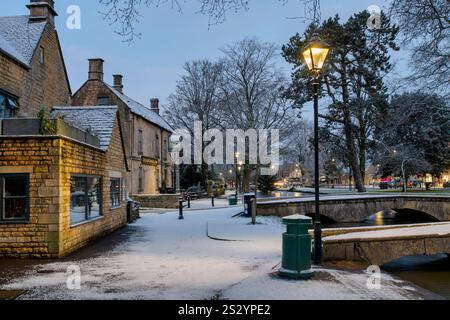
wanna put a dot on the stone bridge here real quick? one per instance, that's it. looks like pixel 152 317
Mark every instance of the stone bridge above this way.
pixel 377 246
pixel 357 208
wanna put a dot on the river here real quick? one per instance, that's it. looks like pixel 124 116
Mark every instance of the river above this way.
pixel 429 272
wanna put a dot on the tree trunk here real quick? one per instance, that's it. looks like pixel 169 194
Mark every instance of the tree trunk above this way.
pixel 246 178
pixel 348 132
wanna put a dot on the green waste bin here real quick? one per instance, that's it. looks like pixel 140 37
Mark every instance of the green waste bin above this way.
pixel 232 200
pixel 296 262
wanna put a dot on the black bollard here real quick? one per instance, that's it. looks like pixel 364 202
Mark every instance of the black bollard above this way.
pixel 181 217
pixel 189 202
pixel 212 201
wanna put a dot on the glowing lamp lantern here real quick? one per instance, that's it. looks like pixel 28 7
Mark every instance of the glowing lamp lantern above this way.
pixel 315 55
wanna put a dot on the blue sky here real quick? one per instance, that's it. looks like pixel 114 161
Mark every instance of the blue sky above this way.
pixel 152 65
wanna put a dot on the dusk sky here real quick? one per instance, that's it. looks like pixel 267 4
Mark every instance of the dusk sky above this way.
pixel 152 65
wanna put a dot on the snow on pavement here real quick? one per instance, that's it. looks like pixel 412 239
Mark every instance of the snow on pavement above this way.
pixel 165 258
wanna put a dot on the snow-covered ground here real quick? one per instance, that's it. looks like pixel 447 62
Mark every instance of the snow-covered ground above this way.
pixel 165 258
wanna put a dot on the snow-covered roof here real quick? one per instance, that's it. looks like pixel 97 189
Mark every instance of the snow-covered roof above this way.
pixel 19 38
pixel 97 120
pixel 142 110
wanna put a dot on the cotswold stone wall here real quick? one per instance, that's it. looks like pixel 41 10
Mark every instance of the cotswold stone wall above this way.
pixel 78 159
pixel 39 158
pixel 50 162
pixel 169 201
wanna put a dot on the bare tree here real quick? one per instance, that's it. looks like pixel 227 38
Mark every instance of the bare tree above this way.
pixel 299 148
pixel 425 25
pixel 196 98
pixel 252 90
pixel 126 14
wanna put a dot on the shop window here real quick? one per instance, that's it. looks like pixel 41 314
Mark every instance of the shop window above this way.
pixel 14 192
pixel 85 198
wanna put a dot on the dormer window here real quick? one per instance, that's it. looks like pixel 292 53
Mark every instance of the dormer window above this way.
pixel 8 106
pixel 103 101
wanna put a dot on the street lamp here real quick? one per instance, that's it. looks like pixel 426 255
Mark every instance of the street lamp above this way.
pixel 315 55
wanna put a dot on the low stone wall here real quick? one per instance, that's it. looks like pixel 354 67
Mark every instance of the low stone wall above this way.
pixel 166 201
pixel 384 250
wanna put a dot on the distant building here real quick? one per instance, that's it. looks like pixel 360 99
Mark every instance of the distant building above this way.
pixel 32 70
pixel 146 133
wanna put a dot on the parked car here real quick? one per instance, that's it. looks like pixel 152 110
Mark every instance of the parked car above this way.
pixel 195 193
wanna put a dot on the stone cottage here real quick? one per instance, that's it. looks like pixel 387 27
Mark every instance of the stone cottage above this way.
pixel 146 133
pixel 63 188
pixel 32 70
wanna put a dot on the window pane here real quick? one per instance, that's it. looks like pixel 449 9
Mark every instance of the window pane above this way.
pixel 77 200
pixel 2 105
pixel 12 103
pixel 15 209
pixel 14 198
pixel 94 197
pixel 10 112
pixel 15 187
pixel 103 101
pixel 124 190
pixel 115 192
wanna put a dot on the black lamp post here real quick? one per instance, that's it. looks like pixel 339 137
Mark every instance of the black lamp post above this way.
pixel 237 155
pixel 315 55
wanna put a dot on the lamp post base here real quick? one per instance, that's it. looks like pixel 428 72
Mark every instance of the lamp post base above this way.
pixel 294 274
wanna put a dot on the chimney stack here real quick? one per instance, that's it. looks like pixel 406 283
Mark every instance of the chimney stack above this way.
pixel 154 103
pixel 96 69
pixel 118 85
pixel 42 10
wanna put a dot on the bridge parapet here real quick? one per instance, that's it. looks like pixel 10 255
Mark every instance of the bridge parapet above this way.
pixel 382 246
pixel 358 208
